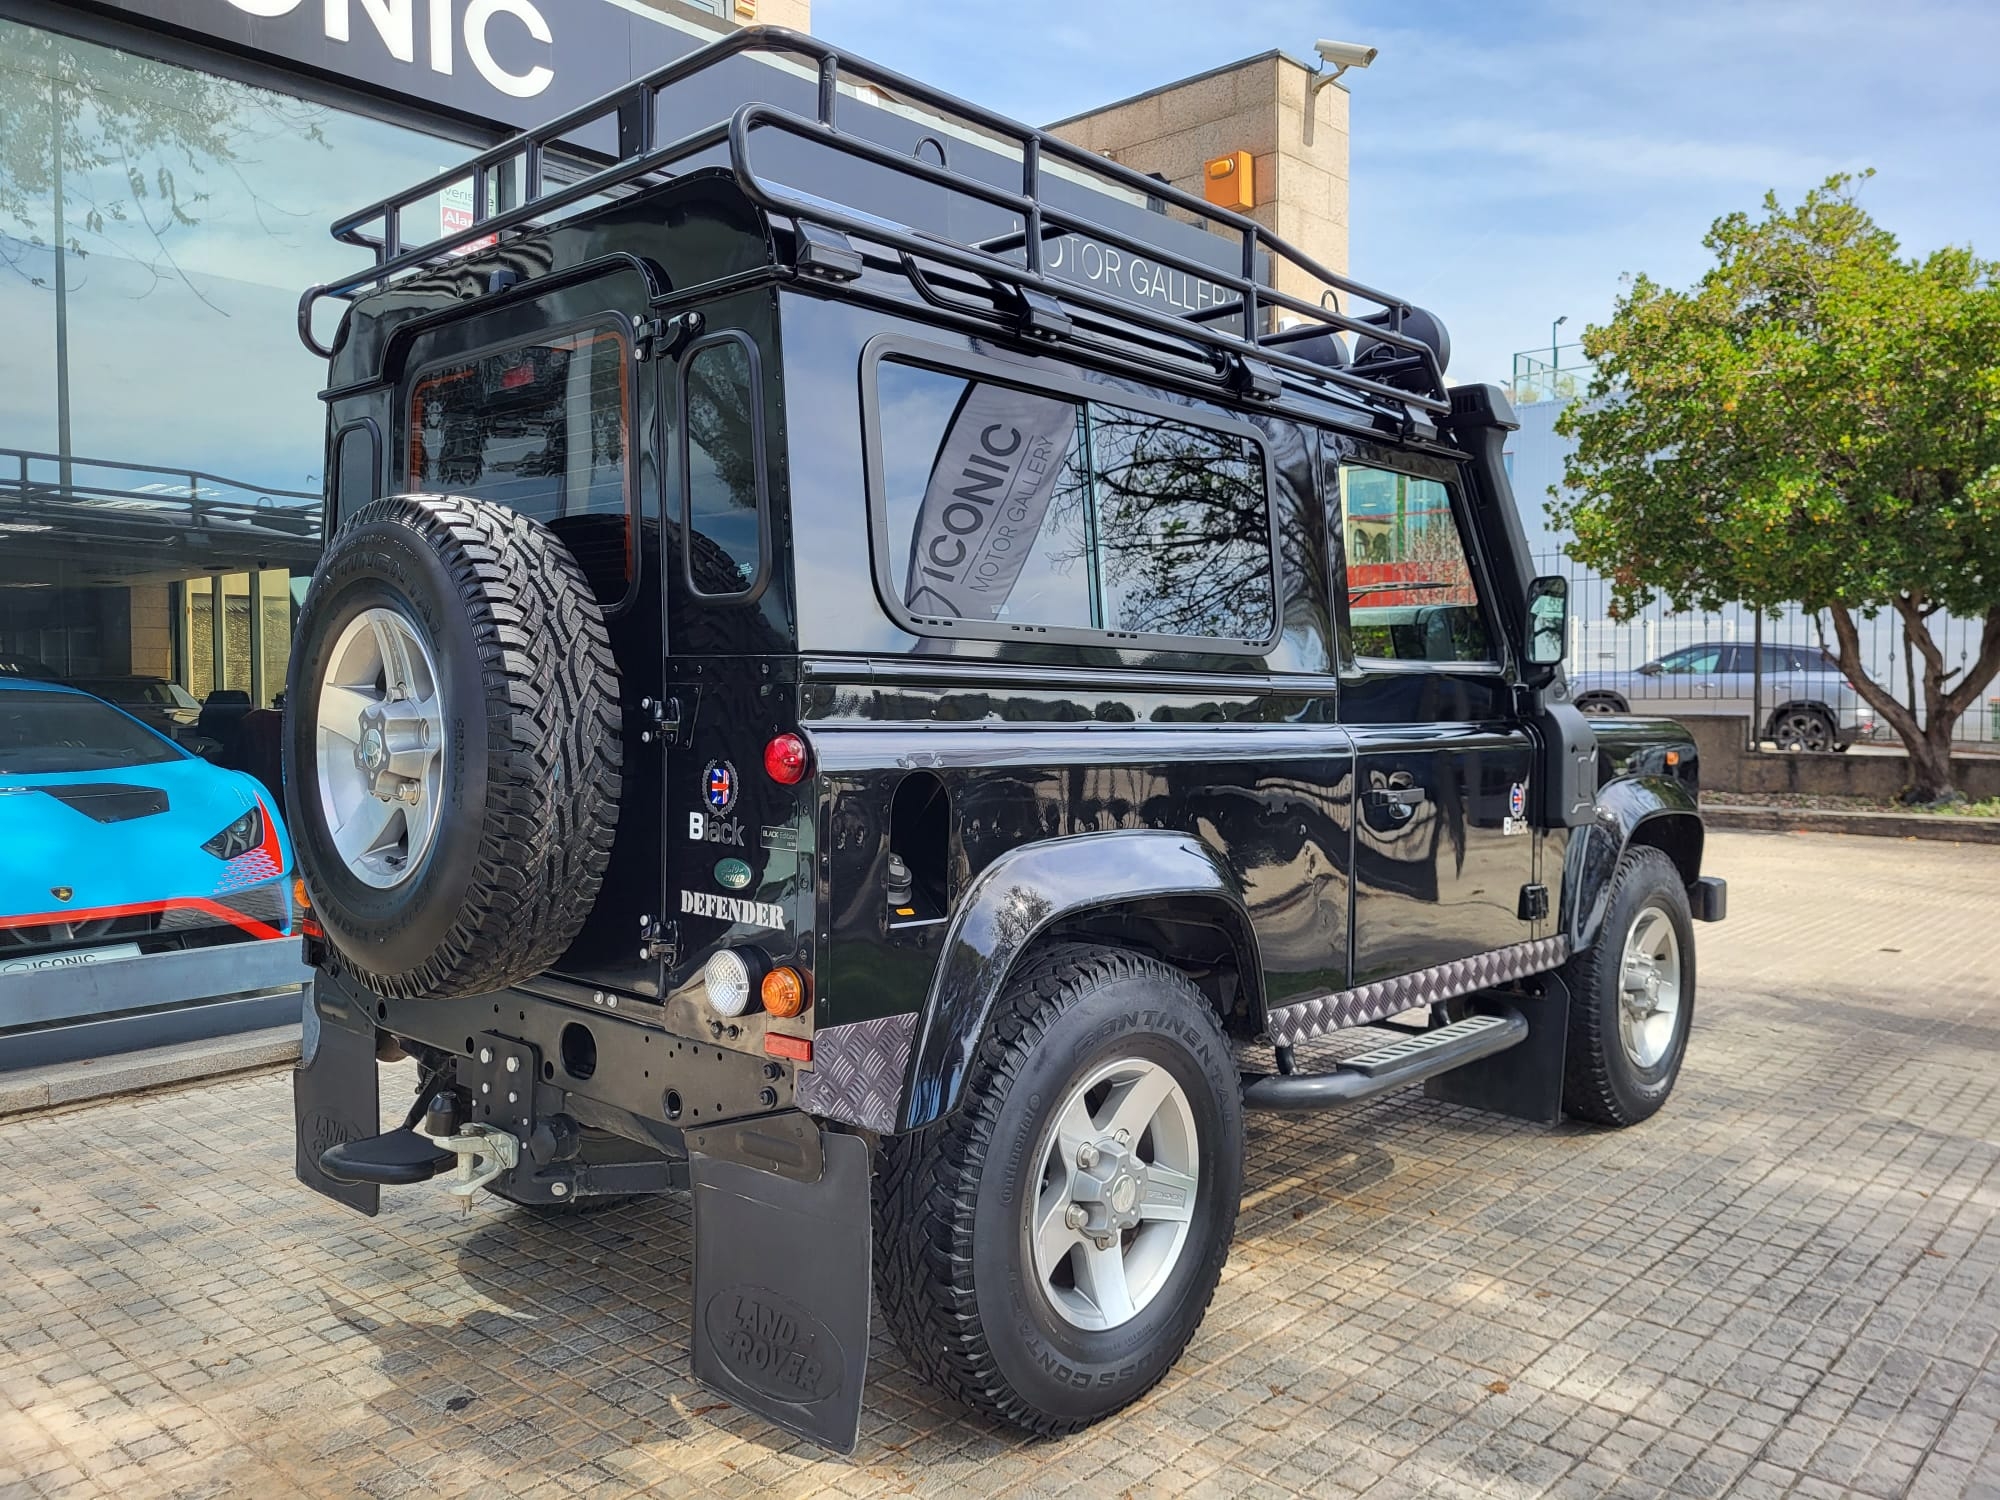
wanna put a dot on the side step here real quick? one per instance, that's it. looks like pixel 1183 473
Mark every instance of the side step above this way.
pixel 1409 1059
pixel 393 1159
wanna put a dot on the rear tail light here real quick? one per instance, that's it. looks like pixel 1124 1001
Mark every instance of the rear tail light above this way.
pixel 787 759
pixel 784 991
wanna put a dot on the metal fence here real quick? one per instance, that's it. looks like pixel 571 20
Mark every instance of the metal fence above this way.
pixel 1600 643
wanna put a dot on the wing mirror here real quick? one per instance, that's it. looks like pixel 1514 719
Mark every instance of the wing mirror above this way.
pixel 1548 628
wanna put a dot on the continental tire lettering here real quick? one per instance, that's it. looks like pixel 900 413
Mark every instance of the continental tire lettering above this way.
pixel 764 914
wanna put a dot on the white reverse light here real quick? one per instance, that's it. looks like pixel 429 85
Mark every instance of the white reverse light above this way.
pixel 727 979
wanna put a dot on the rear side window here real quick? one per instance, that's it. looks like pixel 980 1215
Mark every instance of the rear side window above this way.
pixel 1411 595
pixel 1037 512
pixel 542 426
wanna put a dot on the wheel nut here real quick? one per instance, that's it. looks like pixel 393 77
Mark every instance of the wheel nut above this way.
pixel 1075 1217
pixel 1086 1156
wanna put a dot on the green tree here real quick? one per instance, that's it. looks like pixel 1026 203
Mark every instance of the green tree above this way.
pixel 1817 420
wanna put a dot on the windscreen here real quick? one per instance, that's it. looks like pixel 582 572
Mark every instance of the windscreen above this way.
pixel 43 731
pixel 543 427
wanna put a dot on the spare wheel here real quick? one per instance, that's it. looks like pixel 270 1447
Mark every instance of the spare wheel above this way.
pixel 452 750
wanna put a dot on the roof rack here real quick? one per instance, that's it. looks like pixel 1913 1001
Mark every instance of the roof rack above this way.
pixel 1403 372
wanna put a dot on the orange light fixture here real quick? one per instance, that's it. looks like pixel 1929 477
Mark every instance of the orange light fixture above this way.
pixel 1230 181
pixel 784 991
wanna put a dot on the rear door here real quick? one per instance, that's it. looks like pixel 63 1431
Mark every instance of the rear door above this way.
pixel 1443 841
pixel 538 406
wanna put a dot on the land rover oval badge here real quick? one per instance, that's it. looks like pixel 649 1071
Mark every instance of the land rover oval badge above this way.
pixel 732 874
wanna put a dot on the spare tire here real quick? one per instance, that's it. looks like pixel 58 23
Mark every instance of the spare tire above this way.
pixel 452 746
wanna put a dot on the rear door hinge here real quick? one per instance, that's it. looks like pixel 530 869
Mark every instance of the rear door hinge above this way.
pixel 661 718
pixel 1534 903
pixel 659 939
pixel 661 338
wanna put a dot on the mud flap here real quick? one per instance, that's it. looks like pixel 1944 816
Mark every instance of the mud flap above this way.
pixel 781 1282
pixel 1525 1081
pixel 336 1098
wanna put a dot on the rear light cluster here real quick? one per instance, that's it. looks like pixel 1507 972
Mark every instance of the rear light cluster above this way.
pixel 735 978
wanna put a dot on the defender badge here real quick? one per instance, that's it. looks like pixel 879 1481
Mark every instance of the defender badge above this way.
pixel 732 874
pixel 718 785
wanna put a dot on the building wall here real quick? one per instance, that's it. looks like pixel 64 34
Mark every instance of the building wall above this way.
pixel 1258 105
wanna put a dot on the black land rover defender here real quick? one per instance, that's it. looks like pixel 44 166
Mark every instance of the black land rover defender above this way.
pixel 871 667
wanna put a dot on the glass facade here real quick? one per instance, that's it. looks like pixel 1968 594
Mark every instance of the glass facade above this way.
pixel 161 458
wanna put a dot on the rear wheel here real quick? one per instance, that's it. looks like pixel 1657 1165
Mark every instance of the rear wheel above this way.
pixel 1631 996
pixel 1599 703
pixel 1804 728
pixel 1047 1252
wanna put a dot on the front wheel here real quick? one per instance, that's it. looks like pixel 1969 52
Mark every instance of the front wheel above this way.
pixel 1046 1252
pixel 1631 996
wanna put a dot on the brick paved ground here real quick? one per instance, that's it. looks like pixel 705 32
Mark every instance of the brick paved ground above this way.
pixel 1788 1283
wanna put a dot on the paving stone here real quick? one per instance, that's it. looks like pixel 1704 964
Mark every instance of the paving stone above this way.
pixel 1787 1284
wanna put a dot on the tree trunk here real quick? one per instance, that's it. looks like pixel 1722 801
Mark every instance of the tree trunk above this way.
pixel 1928 743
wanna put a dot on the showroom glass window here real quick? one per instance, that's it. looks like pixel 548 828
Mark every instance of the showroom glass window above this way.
pixel 161 440
pixel 161 444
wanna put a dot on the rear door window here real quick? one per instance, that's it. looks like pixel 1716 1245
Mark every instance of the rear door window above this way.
pixel 544 427
pixel 726 538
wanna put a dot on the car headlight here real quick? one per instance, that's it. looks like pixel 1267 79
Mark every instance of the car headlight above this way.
pixel 239 838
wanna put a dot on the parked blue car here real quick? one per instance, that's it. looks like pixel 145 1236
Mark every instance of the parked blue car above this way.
pixel 115 841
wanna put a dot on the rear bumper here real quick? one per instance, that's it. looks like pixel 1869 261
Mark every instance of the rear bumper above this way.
pixel 604 1071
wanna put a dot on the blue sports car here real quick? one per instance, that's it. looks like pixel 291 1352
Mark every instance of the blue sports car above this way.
pixel 115 841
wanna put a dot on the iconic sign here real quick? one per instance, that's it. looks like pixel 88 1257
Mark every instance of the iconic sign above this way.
pixel 996 471
pixel 513 62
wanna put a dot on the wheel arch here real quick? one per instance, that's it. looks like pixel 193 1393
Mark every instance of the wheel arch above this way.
pixel 1155 891
pixel 1655 812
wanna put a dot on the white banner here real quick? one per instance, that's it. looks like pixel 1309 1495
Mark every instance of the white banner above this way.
pixel 989 492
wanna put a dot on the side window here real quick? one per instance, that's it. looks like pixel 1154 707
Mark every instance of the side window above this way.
pixel 354 467
pixel 1411 595
pixel 1036 512
pixel 724 539
pixel 1693 660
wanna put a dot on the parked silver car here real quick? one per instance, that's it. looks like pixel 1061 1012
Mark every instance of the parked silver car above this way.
pixel 1807 704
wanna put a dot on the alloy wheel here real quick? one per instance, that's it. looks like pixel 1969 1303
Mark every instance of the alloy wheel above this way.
pixel 1120 1172
pixel 380 746
pixel 1649 987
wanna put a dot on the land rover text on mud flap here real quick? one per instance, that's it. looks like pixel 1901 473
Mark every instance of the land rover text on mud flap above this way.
pixel 807 701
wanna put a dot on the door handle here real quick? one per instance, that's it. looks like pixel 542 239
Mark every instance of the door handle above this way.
pixel 1401 800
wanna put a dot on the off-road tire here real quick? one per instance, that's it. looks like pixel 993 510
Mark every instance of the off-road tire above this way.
pixel 1601 1082
pixel 953 1274
pixel 529 793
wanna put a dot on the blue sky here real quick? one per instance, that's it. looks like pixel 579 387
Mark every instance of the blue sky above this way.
pixel 1511 162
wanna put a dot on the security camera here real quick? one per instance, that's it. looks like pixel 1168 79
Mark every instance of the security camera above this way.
pixel 1344 55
